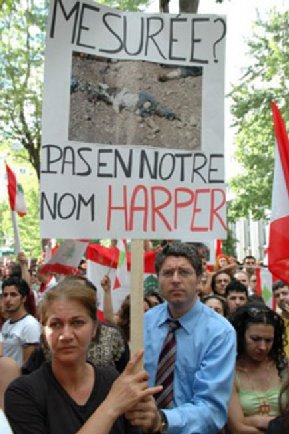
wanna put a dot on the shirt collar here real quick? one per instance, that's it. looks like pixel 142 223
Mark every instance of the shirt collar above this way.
pixel 187 320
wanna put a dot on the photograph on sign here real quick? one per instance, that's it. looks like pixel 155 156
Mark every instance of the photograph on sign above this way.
pixel 135 103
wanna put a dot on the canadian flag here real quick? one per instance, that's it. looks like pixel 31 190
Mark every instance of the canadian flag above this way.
pixel 278 248
pixel 104 260
pixel 15 193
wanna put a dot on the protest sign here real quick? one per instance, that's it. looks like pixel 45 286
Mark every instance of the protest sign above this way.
pixel 132 143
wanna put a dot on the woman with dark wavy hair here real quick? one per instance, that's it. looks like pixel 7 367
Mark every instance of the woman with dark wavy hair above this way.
pixel 280 425
pixel 261 369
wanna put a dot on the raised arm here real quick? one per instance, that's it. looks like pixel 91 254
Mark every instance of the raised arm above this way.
pixel 107 299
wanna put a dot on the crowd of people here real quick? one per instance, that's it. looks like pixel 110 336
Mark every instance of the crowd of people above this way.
pixel 215 356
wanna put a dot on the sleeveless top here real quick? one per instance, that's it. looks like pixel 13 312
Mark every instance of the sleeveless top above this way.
pixel 258 402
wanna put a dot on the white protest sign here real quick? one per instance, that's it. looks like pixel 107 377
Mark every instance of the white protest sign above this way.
pixel 133 140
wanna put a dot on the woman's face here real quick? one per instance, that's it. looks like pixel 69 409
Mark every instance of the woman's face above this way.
pixel 221 281
pixel 216 305
pixel 259 340
pixel 223 262
pixel 68 331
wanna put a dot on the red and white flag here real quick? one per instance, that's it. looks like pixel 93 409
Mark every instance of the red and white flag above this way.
pixel 66 258
pixel 104 260
pixel 121 271
pixel 15 193
pixel 278 248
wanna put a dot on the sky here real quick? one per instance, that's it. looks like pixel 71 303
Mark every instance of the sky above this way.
pixel 240 16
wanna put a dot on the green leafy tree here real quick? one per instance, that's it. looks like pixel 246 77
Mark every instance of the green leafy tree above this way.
pixel 22 25
pixel 266 79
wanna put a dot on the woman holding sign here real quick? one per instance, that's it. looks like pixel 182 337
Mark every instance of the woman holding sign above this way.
pixel 69 395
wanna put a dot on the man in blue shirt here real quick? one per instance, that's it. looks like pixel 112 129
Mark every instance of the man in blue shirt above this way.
pixel 205 347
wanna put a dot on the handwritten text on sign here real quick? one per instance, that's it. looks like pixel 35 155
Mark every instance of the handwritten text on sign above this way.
pixel 138 35
pixel 164 199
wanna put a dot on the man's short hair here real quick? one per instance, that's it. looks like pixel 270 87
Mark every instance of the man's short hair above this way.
pixel 249 257
pixel 20 284
pixel 180 250
pixel 278 285
pixel 236 286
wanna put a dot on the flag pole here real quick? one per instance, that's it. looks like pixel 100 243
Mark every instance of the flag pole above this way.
pixel 136 296
pixel 16 232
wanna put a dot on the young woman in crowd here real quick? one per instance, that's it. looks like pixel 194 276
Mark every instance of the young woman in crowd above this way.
pixel 226 263
pixel 69 395
pixel 122 317
pixel 217 303
pixel 261 369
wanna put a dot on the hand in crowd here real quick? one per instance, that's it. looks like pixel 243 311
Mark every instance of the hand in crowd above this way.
pixel 106 283
pixel 21 258
pixel 145 415
pixel 130 388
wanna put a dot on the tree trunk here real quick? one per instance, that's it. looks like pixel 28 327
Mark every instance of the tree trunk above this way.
pixel 189 6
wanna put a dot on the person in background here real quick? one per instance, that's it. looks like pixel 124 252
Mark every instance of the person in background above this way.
pixel 261 369
pixel 21 331
pixel 243 277
pixel 122 317
pixel 9 370
pixel 217 303
pixel 219 282
pixel 3 316
pixel 253 283
pixel 47 280
pixel 82 268
pixel 195 400
pixel 236 295
pixel 154 298
pixel 249 264
pixel 69 395
pixel 281 294
pixel 225 263
pixel 20 270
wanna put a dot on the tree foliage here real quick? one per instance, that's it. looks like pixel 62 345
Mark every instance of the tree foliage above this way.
pixel 266 79
pixel 22 25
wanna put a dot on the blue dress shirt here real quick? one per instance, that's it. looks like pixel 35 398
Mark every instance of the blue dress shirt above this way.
pixel 204 371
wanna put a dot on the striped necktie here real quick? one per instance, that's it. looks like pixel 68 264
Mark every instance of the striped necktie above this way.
pixel 166 366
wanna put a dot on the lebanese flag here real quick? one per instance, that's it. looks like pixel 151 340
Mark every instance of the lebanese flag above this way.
pixel 264 286
pixel 278 248
pixel 121 271
pixel 15 193
pixel 66 258
pixel 219 247
pixel 103 261
pixel 49 249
